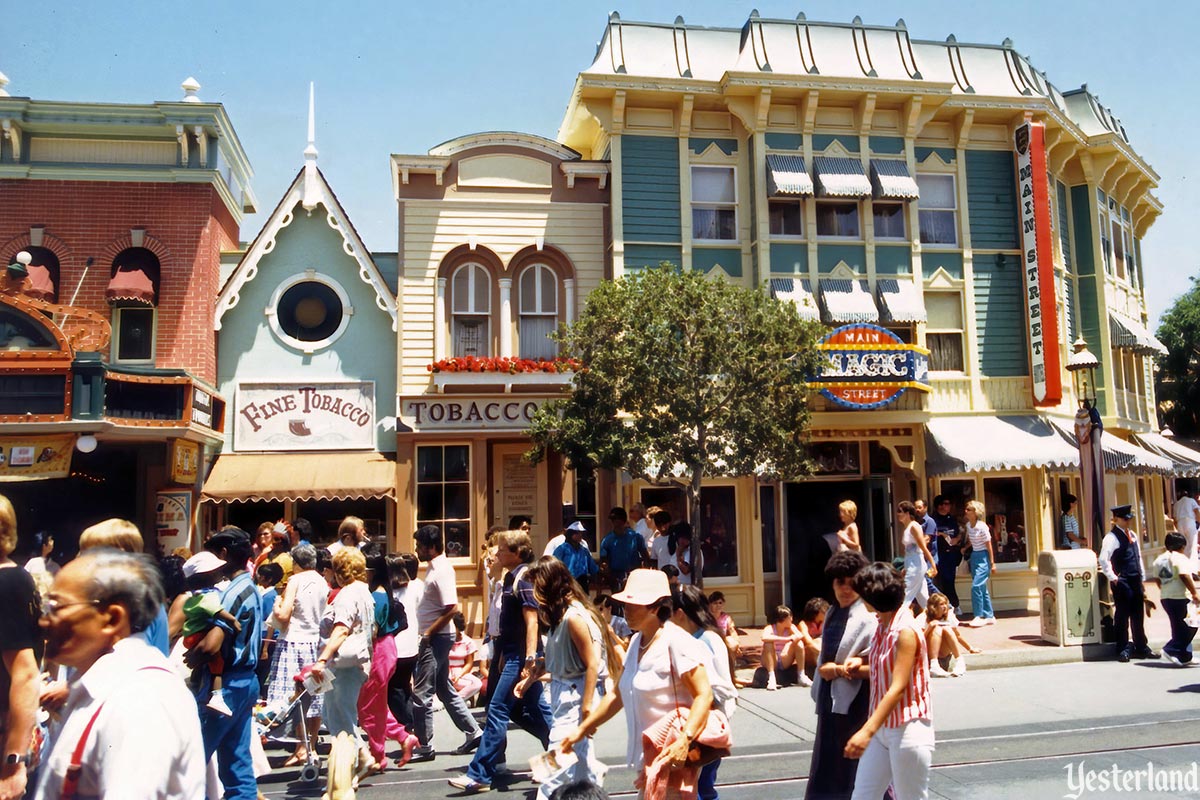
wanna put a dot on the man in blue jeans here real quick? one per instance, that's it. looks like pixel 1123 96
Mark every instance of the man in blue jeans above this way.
pixel 229 735
pixel 518 644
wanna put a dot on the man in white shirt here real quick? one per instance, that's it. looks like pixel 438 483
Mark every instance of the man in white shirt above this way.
pixel 1187 521
pixel 637 517
pixel 130 725
pixel 660 545
pixel 351 533
pixel 438 604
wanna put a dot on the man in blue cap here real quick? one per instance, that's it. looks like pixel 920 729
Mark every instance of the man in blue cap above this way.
pixel 1121 563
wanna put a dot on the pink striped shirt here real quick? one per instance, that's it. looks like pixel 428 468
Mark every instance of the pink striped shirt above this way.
pixel 915 703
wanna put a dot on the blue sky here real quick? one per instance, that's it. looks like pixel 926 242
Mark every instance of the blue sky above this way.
pixel 400 77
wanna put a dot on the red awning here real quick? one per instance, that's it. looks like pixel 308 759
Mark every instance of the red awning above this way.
pixel 130 285
pixel 39 285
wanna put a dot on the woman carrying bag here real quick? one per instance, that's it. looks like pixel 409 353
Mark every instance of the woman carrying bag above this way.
pixel 665 690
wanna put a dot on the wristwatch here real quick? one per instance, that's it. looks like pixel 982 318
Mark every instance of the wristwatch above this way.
pixel 12 759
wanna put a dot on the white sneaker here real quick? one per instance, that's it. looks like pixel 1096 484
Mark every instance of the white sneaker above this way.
pixel 990 621
pixel 805 681
pixel 935 670
pixel 959 668
pixel 771 684
pixel 976 622
pixel 217 703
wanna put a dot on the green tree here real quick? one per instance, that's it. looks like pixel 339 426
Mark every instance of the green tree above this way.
pixel 1177 379
pixel 684 376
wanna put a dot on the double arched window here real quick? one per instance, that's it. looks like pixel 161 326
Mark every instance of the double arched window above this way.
pixel 470 311
pixel 537 312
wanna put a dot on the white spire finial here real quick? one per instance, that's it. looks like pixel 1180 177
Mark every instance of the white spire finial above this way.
pixel 3 83
pixel 190 86
pixel 312 195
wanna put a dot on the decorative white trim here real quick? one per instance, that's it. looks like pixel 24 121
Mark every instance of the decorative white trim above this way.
pixel 506 343
pixel 934 159
pixel 843 270
pixel 308 276
pixel 569 291
pixel 941 279
pixel 836 149
pixel 439 321
pixel 492 138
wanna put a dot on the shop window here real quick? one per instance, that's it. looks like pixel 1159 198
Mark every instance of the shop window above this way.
pixel 1004 502
pixel 444 494
pixel 937 210
pixel 673 501
pixel 133 335
pixel 888 220
pixel 21 332
pixel 538 312
pixel 838 220
pixel 714 203
pixel 470 310
pixel 585 505
pixel 769 528
pixel 944 331
pixel 787 217
pixel 718 512
pixel 836 458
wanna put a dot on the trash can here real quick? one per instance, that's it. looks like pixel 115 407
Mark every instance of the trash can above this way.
pixel 1069 593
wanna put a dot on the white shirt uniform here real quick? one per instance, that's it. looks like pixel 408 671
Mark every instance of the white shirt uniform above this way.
pixel 441 590
pixel 1184 513
pixel 145 742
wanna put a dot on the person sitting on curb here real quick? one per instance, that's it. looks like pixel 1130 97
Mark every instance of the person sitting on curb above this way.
pixel 782 647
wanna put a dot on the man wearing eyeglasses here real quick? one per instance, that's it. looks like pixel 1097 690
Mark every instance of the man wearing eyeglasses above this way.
pixel 130 727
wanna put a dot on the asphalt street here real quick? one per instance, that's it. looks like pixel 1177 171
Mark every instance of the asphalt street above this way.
pixel 1002 733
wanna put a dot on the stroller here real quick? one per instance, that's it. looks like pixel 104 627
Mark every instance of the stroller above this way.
pixel 268 719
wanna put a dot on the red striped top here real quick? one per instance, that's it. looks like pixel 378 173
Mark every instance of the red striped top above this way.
pixel 915 703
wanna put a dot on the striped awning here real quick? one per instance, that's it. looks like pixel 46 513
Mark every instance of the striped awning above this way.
pixel 984 443
pixel 787 176
pixel 891 180
pixel 800 292
pixel 899 301
pixel 1120 455
pixel 1186 461
pixel 241 477
pixel 1133 335
pixel 844 301
pixel 841 177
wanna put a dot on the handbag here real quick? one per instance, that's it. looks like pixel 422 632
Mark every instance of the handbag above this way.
pixel 715 740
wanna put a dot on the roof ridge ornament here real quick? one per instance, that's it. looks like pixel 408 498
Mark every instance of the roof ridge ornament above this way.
pixel 312 192
pixel 190 86
pixel 908 59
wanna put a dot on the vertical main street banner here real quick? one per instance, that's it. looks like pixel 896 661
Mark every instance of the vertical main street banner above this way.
pixel 1037 263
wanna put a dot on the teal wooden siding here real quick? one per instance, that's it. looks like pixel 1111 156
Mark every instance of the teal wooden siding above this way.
pixel 639 256
pixel 829 255
pixel 1063 222
pixel 789 259
pixel 650 188
pixel 992 198
pixel 784 141
pixel 822 140
pixel 1081 216
pixel 1089 325
pixel 700 144
pixel 729 259
pixel 886 145
pixel 932 261
pixel 1000 317
pixel 893 259
pixel 946 154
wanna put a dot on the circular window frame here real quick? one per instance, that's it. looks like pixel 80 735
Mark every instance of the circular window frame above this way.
pixel 308 276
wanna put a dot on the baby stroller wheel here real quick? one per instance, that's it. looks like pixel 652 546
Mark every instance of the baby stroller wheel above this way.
pixel 311 772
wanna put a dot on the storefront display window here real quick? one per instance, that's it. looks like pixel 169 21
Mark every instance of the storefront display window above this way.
pixel 444 494
pixel 1005 504
pixel 718 512
pixel 770 528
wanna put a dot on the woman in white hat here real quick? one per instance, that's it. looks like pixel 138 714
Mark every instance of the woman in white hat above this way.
pixel 664 669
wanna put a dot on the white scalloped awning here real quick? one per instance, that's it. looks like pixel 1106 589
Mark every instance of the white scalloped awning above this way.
pixel 787 176
pixel 958 445
pixel 1122 456
pixel 1133 335
pixel 891 180
pixel 845 301
pixel 841 177
pixel 800 292
pixel 899 301
pixel 1186 461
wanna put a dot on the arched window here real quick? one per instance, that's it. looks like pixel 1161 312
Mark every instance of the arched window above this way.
pixel 133 293
pixel 470 310
pixel 537 312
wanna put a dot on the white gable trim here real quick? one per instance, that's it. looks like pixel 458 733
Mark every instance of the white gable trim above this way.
pixel 283 215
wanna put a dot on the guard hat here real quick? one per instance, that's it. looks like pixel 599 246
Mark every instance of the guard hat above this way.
pixel 1122 512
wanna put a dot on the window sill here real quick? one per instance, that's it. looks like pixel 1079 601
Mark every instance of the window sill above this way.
pixel 720 242
pixel 441 380
pixel 789 238
pixel 842 239
pixel 940 246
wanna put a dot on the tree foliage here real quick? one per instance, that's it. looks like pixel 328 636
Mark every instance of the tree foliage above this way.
pixel 1177 380
pixel 684 376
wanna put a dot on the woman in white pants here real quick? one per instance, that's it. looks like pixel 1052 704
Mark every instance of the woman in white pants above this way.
pixel 896 744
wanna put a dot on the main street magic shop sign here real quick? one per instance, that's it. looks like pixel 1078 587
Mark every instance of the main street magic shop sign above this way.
pixel 865 366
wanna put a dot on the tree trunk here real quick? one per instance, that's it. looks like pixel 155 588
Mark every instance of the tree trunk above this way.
pixel 697 527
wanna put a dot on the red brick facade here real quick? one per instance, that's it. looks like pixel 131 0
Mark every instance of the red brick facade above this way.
pixel 186 226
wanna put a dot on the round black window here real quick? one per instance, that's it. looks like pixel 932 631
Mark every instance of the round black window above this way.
pixel 309 311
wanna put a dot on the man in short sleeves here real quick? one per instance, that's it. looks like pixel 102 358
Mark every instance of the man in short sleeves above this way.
pixel 1187 520
pixel 21 646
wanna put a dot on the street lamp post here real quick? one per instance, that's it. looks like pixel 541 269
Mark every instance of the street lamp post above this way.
pixel 1088 432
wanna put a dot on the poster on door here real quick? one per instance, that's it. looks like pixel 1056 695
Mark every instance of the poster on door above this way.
pixel 518 487
pixel 173 520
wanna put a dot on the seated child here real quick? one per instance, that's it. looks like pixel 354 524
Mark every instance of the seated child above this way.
pixel 783 647
pixel 200 609
pixel 728 631
pixel 462 661
pixel 812 622
pixel 944 639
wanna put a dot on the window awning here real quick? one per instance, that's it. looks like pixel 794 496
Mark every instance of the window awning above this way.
pixel 300 476
pixel 841 177
pixel 845 301
pixel 39 285
pixel 1120 455
pixel 1132 335
pixel 787 176
pixel 799 292
pixel 957 445
pixel 130 285
pixel 891 180
pixel 899 301
pixel 1185 460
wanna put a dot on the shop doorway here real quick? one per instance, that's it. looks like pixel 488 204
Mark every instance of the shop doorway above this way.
pixel 811 515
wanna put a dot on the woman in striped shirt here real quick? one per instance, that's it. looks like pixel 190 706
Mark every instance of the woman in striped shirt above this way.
pixel 983 564
pixel 896 743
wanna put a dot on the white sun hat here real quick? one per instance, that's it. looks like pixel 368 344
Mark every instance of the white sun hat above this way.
pixel 644 587
pixel 202 562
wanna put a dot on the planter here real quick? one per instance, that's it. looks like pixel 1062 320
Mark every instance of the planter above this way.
pixel 558 380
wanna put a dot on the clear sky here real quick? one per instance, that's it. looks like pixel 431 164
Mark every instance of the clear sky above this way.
pixel 400 76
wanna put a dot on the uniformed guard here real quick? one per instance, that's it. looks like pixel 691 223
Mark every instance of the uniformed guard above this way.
pixel 1121 563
